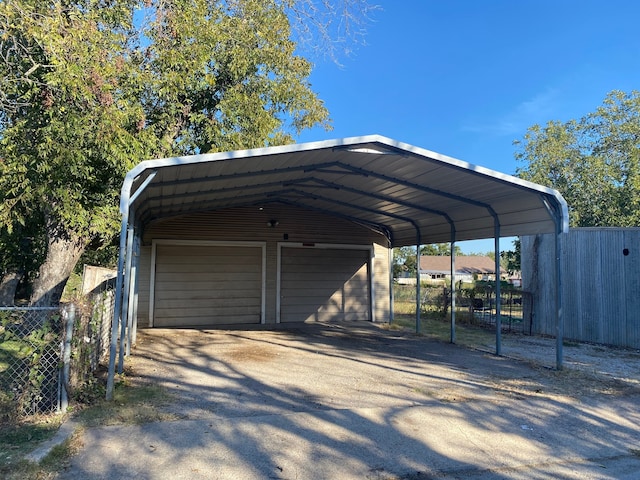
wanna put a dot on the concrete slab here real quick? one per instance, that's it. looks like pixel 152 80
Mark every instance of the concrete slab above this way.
pixel 356 402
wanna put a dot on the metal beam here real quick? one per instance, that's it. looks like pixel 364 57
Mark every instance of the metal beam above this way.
pixel 385 198
pixel 498 292
pixel 560 318
pixel 418 292
pixel 453 285
pixel 421 188
pixel 126 285
pixel 124 210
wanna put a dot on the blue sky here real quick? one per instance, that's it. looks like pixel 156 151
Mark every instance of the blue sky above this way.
pixel 466 78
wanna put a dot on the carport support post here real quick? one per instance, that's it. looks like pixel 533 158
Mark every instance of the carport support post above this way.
pixel 133 289
pixel 125 301
pixel 497 268
pixel 117 306
pixel 560 318
pixel 126 199
pixel 136 259
pixel 418 294
pixel 392 312
pixel 453 289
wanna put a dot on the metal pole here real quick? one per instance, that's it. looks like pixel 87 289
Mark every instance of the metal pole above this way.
pixel 125 300
pixel 391 292
pixel 132 293
pixel 498 313
pixel 69 314
pixel 125 203
pixel 117 305
pixel 560 318
pixel 134 306
pixel 453 290
pixel 131 333
pixel 418 299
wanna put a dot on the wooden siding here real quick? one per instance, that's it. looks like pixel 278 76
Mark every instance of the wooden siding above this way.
pixel 250 223
pixel 382 283
pixel 324 285
pixel 144 268
pixel 601 285
pixel 295 225
pixel 207 285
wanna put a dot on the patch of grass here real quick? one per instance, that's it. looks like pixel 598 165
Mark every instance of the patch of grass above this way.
pixel 18 439
pixel 53 463
pixel 73 288
pixel 130 406
pixel 468 335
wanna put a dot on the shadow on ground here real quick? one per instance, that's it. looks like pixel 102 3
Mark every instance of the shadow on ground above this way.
pixel 356 401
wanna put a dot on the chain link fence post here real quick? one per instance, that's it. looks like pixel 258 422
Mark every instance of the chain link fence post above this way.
pixel 69 317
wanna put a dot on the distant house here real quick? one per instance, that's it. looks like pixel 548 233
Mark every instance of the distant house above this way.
pixel 468 268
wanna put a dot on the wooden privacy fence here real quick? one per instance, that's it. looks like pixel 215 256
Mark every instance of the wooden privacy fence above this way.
pixel 600 284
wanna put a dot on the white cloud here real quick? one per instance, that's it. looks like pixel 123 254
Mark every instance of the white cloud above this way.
pixel 538 109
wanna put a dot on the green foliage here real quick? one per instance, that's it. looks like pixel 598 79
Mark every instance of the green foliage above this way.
pixel 404 260
pixel 439 249
pixel 510 259
pixel 90 88
pixel 22 250
pixel 87 347
pixel 131 405
pixel 29 355
pixel 102 256
pixel 594 162
pixel 17 440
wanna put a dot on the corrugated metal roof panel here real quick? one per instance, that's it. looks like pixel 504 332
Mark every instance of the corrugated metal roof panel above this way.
pixel 410 191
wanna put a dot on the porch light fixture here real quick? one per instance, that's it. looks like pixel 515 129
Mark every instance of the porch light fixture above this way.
pixel 273 223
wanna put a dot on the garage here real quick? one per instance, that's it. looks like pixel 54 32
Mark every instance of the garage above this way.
pixel 324 283
pixel 370 193
pixel 207 284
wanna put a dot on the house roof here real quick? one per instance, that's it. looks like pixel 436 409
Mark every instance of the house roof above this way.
pixel 465 264
pixel 412 195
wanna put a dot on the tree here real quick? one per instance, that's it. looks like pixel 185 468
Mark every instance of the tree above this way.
pixel 404 260
pixel 510 259
pixel 593 162
pixel 439 249
pixel 21 252
pixel 329 27
pixel 88 88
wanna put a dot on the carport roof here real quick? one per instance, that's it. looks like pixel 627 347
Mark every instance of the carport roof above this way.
pixel 410 194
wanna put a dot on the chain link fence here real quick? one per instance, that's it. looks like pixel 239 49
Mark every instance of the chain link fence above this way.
pixel 31 342
pixel 474 306
pixel 49 356
pixel 91 340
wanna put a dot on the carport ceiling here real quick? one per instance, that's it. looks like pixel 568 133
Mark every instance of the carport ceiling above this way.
pixel 411 194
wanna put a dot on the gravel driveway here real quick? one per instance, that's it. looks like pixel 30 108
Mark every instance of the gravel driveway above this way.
pixel 357 401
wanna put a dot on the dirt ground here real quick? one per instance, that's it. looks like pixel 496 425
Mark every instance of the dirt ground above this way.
pixel 587 369
pixel 608 363
pixel 356 401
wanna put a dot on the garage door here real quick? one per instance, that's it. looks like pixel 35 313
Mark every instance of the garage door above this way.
pixel 207 285
pixel 324 285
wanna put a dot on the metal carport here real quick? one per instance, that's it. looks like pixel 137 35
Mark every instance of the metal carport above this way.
pixel 411 195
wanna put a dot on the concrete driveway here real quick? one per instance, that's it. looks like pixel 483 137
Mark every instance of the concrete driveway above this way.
pixel 354 401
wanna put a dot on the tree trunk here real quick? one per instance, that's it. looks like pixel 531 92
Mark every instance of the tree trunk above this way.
pixel 8 286
pixel 62 256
